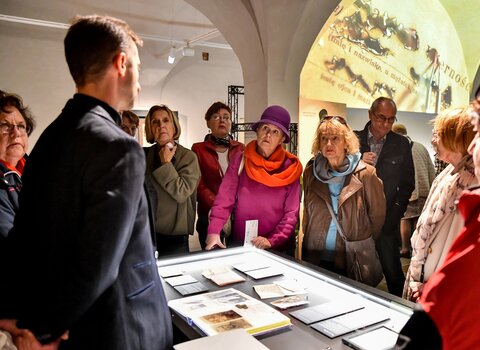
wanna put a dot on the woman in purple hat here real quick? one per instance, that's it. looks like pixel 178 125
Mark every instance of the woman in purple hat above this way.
pixel 262 189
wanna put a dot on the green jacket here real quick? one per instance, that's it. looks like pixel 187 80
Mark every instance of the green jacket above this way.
pixel 172 189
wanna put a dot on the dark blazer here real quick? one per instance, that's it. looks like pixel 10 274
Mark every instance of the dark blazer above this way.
pixel 395 168
pixel 81 243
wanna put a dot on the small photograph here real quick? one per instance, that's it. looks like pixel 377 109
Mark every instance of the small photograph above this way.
pixel 229 326
pixel 221 317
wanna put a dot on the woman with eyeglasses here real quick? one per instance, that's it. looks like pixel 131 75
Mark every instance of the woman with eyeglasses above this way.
pixel 439 223
pixel 214 154
pixel 262 188
pixel 339 178
pixel 172 176
pixel 16 124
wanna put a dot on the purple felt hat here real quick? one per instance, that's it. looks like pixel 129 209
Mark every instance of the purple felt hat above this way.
pixel 277 116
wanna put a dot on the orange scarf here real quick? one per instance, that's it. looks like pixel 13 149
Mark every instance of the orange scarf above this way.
pixel 268 171
pixel 18 169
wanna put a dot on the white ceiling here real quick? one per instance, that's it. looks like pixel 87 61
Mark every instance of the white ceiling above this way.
pixel 160 23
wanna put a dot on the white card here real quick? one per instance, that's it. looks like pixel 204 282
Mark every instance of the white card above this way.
pixel 251 231
pixel 180 280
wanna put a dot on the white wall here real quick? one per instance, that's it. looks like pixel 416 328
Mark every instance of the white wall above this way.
pixel 33 66
pixel 193 85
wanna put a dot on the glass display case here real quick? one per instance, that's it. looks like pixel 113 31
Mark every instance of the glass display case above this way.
pixel 337 307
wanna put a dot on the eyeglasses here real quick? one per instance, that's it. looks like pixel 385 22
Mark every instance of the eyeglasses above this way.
pixel 334 117
pixel 382 119
pixel 218 117
pixel 7 128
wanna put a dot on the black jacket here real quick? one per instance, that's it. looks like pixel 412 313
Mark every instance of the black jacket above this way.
pixel 81 242
pixel 395 168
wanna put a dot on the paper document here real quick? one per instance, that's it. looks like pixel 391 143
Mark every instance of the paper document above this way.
pixel 251 232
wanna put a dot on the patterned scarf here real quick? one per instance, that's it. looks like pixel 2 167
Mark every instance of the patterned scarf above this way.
pixel 221 141
pixel 446 189
pixel 271 172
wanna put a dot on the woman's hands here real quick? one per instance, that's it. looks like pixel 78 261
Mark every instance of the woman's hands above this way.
pixel 166 153
pixel 26 340
pixel 417 292
pixel 261 243
pixel 213 240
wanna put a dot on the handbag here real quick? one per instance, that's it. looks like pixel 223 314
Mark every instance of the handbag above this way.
pixel 363 263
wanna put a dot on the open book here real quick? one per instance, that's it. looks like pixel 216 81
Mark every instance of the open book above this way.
pixel 228 309
pixel 222 275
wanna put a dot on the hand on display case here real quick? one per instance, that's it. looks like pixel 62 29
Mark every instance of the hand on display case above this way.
pixel 213 241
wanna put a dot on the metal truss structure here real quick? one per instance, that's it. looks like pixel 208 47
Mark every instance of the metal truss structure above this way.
pixel 233 92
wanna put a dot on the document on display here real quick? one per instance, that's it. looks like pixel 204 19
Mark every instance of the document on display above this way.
pixel 251 232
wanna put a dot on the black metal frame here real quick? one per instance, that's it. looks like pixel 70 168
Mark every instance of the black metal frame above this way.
pixel 233 92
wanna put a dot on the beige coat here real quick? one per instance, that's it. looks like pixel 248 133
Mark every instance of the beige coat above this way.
pixel 361 211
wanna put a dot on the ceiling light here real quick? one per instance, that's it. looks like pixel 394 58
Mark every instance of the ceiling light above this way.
pixel 188 51
pixel 171 55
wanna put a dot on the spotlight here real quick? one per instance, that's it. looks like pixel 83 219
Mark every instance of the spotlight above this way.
pixel 188 51
pixel 171 55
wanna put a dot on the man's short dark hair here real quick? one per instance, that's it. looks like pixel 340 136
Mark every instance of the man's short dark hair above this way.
pixel 380 100
pixel 91 44
pixel 12 100
pixel 214 108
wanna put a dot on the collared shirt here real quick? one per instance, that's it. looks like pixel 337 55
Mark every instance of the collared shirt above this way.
pixel 375 144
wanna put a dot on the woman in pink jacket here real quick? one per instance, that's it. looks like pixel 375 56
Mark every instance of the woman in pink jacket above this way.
pixel 262 187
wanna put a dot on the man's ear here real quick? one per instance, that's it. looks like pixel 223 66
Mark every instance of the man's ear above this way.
pixel 370 114
pixel 120 63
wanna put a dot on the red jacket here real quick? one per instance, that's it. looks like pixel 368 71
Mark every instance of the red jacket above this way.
pixel 210 169
pixel 450 296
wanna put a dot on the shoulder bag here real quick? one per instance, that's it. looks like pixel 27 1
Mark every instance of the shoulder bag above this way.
pixel 363 263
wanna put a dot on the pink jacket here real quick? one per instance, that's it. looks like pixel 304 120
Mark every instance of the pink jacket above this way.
pixel 275 208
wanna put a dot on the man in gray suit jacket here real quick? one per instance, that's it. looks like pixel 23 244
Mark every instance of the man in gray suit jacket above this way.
pixel 81 245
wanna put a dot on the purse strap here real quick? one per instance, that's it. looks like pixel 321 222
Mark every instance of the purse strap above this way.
pixel 334 217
